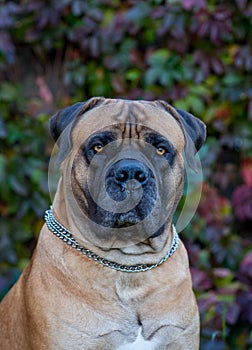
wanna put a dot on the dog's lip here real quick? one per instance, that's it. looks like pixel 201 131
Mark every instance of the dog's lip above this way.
pixel 125 223
pixel 127 219
pixel 159 232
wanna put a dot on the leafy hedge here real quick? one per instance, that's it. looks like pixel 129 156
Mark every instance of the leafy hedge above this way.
pixel 193 53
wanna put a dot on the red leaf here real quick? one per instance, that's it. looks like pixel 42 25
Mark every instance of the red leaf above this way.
pixel 246 171
pixel 242 202
pixel 201 281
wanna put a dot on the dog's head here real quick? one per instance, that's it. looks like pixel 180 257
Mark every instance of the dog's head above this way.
pixel 122 164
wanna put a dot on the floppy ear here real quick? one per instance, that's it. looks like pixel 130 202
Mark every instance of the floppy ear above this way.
pixel 68 117
pixel 194 131
pixel 194 127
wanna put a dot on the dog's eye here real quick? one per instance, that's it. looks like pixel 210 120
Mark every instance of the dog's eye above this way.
pixel 98 147
pixel 161 151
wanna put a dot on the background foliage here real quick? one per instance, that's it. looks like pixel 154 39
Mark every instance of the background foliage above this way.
pixel 195 54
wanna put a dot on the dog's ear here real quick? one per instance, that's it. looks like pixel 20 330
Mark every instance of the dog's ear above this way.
pixel 68 115
pixel 194 128
pixel 65 119
pixel 194 131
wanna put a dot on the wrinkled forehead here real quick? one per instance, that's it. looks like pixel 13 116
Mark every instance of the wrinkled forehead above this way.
pixel 130 117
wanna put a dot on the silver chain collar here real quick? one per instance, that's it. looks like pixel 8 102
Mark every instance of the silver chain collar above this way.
pixel 61 232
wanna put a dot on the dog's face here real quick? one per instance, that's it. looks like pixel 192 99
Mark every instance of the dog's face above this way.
pixel 124 166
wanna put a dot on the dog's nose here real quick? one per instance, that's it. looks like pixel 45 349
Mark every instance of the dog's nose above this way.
pixel 130 169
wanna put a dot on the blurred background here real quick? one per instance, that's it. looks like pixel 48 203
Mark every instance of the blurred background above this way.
pixel 195 54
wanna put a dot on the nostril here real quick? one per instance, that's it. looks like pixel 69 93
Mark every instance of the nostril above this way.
pixel 129 169
pixel 122 176
pixel 140 176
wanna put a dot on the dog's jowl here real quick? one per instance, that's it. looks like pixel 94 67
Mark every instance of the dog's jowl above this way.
pixel 109 270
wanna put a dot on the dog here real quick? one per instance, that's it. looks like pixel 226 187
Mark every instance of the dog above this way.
pixel 109 271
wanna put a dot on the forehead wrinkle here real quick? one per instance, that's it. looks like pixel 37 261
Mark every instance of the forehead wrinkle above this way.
pixel 150 114
pixel 122 115
pixel 132 127
pixel 120 112
pixel 126 119
pixel 129 123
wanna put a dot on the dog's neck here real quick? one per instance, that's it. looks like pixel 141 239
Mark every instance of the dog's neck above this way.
pixel 66 236
pixel 149 251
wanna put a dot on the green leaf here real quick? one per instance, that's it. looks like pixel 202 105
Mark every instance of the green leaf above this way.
pixel 159 57
pixel 232 79
pixel 133 74
pixel 2 168
pixel 152 76
pixel 8 92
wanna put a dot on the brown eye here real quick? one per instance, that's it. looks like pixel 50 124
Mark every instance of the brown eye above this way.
pixel 98 148
pixel 161 151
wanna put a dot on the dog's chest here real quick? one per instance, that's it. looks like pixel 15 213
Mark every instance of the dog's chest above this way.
pixel 131 288
pixel 139 344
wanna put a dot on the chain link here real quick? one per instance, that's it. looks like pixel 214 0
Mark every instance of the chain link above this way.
pixel 65 235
